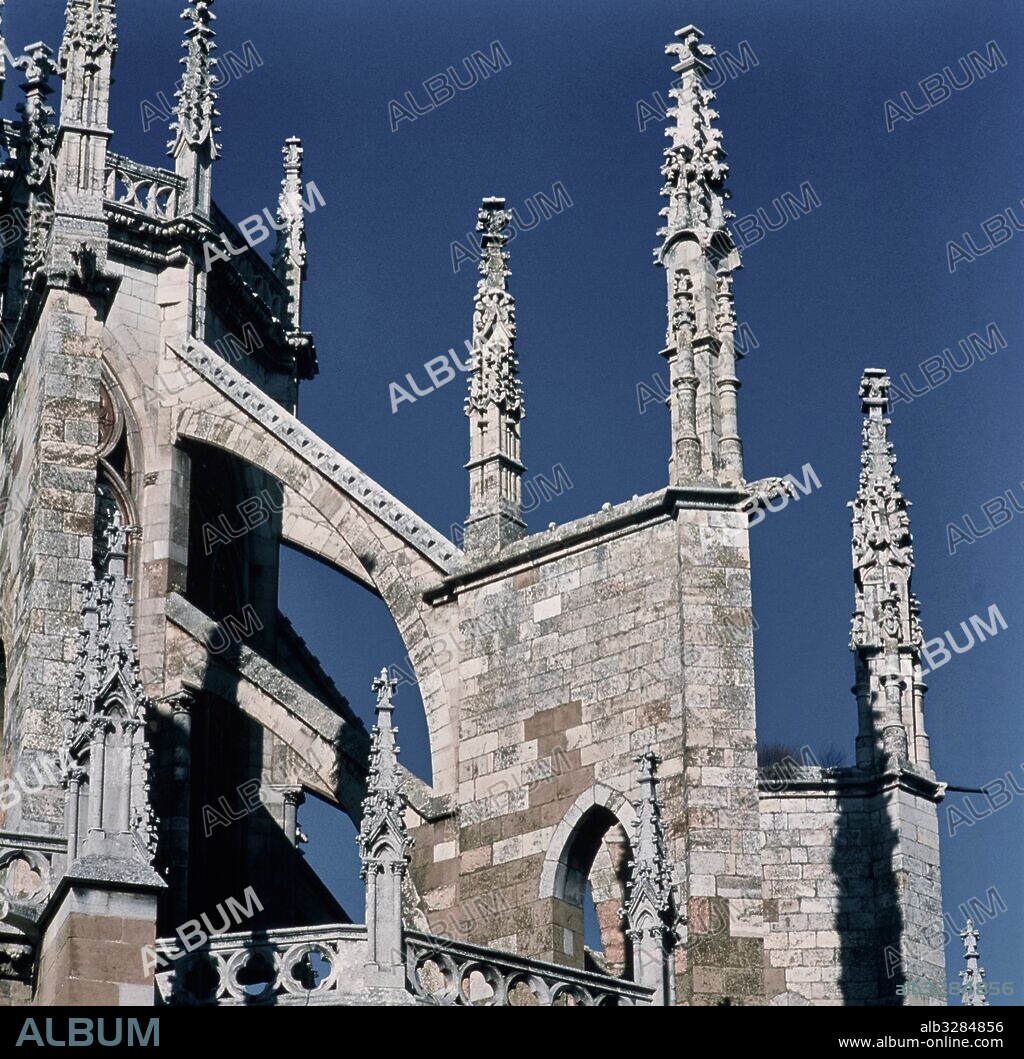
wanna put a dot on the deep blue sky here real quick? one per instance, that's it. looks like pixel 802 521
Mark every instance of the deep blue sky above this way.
pixel 861 281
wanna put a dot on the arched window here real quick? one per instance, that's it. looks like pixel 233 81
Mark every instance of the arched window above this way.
pixel 591 867
pixel 114 503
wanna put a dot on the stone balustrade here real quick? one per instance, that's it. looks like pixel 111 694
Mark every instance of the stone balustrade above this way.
pixel 325 966
pixel 142 188
pixel 307 966
pixel 447 972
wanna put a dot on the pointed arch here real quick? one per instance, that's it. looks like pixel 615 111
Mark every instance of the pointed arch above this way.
pixel 552 879
pixel 117 457
pixel 590 846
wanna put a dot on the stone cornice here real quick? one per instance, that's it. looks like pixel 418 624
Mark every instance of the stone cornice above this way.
pixel 42 843
pixel 604 525
pixel 808 782
pixel 101 873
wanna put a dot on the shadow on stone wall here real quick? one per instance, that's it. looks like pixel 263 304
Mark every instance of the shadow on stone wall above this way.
pixel 868 917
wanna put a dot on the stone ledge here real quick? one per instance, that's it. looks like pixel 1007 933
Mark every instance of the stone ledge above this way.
pixel 586 532
pixel 808 780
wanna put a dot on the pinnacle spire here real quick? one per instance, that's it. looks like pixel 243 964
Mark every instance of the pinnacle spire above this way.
pixel 195 126
pixel 694 169
pixel 699 256
pixel 34 152
pixel 37 134
pixel 290 252
pixel 495 402
pixel 973 992
pixel 105 734
pixel 495 378
pixel 650 913
pixel 384 777
pixel 384 844
pixel 77 249
pixel 886 632
pixel 651 881
pixel 383 838
pixel 107 652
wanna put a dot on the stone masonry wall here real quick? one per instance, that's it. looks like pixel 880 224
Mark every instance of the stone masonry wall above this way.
pixel 801 855
pixel 570 664
pixel 911 923
pixel 724 953
pixel 851 898
pixel 50 430
pixel 19 441
pixel 92 953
